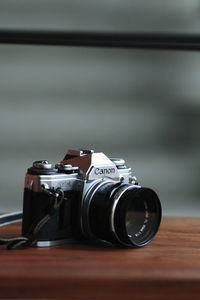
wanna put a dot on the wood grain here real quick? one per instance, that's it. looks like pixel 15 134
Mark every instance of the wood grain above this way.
pixel 168 268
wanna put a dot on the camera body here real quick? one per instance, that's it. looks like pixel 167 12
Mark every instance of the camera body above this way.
pixel 94 186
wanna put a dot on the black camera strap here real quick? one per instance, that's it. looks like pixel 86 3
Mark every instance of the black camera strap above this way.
pixel 7 219
pixel 55 199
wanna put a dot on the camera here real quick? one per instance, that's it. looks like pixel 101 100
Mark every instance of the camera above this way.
pixel 102 201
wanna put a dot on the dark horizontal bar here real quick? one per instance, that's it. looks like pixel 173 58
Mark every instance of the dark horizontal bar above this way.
pixel 10 218
pixel 100 39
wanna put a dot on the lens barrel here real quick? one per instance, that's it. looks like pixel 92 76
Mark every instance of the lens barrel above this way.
pixel 123 214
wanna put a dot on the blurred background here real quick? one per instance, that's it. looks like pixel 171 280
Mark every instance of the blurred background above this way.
pixel 141 105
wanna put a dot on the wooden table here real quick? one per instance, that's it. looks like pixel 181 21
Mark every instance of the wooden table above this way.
pixel 168 268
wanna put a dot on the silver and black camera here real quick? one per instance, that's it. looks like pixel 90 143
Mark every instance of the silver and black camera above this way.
pixel 102 201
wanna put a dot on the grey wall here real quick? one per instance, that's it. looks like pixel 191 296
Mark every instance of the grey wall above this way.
pixel 140 105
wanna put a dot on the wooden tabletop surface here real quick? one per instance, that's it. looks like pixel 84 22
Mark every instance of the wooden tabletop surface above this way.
pixel 167 268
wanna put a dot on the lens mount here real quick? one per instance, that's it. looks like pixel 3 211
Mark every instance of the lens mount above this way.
pixel 90 218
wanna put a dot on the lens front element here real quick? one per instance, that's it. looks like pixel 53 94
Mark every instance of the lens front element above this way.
pixel 136 215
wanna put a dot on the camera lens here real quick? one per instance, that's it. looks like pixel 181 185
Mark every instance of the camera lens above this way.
pixel 136 215
pixel 125 214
